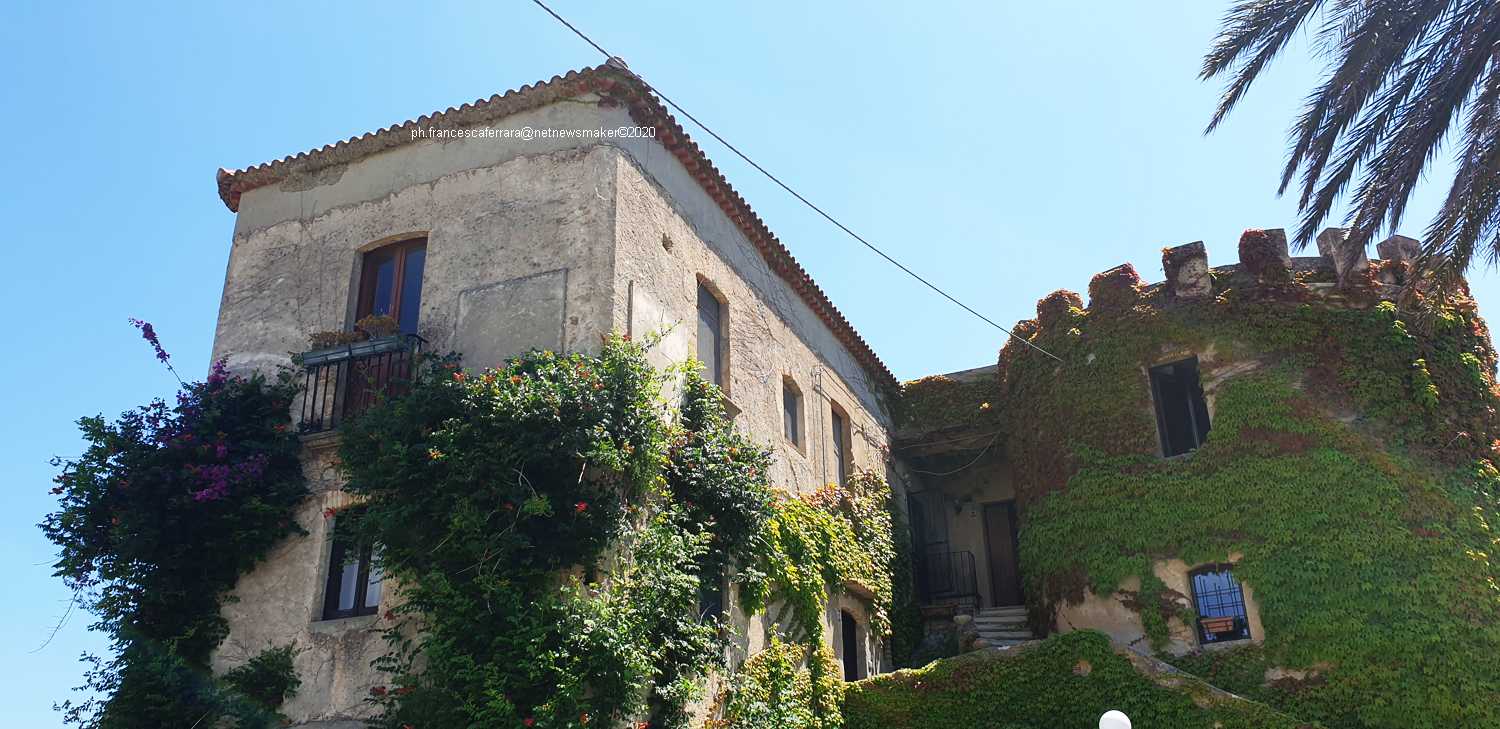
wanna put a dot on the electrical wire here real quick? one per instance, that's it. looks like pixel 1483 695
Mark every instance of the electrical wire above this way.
pixel 982 451
pixel 611 57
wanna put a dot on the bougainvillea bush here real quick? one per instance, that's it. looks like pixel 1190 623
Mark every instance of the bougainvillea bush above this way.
pixel 550 528
pixel 164 510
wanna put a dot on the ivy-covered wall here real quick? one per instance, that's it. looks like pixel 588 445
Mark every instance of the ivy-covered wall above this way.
pixel 1350 474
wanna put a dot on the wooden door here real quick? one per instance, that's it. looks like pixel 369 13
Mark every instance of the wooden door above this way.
pixel 1000 546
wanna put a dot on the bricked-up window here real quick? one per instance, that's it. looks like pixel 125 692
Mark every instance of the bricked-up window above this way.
pixel 1220 604
pixel 711 335
pixel 791 403
pixel 391 283
pixel 1181 412
pixel 840 449
pixel 353 582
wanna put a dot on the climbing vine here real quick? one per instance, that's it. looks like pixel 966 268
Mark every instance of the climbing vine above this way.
pixel 165 509
pixel 481 488
pixel 1065 683
pixel 786 685
pixel 1350 471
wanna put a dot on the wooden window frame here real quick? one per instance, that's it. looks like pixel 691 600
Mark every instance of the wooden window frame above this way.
pixel 795 420
pixel 400 249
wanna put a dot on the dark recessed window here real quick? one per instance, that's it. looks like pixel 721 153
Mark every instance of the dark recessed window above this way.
pixel 790 425
pixel 1181 412
pixel 353 582
pixel 850 629
pixel 1221 606
pixel 840 452
pixel 711 594
pixel 392 283
pixel 710 335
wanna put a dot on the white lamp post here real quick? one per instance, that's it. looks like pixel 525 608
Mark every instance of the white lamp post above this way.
pixel 1114 720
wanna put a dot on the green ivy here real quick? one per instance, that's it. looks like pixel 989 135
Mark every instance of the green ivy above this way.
pixel 1067 682
pixel 786 685
pixel 481 488
pixel 268 679
pixel 1353 471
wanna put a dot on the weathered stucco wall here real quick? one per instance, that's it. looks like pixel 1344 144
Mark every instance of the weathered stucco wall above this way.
pixel 663 253
pixel 519 211
pixel 550 243
pixel 1109 615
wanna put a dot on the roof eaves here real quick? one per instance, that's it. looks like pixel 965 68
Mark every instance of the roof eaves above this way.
pixel 647 111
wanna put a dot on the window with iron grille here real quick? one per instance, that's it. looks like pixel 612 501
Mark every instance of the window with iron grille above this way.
pixel 1220 604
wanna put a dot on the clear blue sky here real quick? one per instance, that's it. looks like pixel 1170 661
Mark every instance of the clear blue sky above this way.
pixel 1001 149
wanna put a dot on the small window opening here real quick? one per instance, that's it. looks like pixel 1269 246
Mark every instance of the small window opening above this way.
pixel 353 582
pixel 711 594
pixel 710 335
pixel 850 629
pixel 1221 606
pixel 840 453
pixel 1181 412
pixel 790 422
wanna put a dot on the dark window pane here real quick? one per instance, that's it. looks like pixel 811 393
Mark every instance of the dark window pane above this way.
pixel 838 446
pixel 372 587
pixel 385 281
pixel 789 413
pixel 411 289
pixel 708 303
pixel 850 629
pixel 1181 412
pixel 710 337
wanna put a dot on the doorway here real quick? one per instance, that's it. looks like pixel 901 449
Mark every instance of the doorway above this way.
pixel 1002 549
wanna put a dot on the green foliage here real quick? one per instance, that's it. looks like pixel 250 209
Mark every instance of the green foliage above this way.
pixel 481 488
pixel 160 515
pixel 1066 682
pixel 943 402
pixel 785 685
pixel 816 543
pixel 268 679
pixel 1365 540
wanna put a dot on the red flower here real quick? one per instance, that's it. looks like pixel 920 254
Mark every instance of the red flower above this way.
pixel 377 691
pixel 328 513
pixel 390 615
pixel 516 379
pixel 581 506
pixel 529 721
pixel 404 690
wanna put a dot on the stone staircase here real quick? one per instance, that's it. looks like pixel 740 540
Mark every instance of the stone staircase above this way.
pixel 1001 627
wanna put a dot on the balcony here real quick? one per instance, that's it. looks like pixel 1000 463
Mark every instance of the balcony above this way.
pixel 345 381
pixel 947 578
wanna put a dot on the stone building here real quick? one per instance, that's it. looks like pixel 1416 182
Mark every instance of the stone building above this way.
pixel 502 226
pixel 543 219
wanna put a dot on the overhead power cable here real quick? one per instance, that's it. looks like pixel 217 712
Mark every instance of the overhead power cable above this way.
pixel 612 59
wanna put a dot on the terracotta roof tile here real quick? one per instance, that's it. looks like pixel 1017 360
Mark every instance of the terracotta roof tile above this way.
pixel 618 86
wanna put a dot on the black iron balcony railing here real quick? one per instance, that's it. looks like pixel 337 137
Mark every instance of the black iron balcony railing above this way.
pixel 344 381
pixel 949 577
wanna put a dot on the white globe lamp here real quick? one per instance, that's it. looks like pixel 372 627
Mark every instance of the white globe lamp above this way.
pixel 1114 720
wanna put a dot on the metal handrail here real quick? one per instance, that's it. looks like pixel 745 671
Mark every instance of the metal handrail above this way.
pixel 344 381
